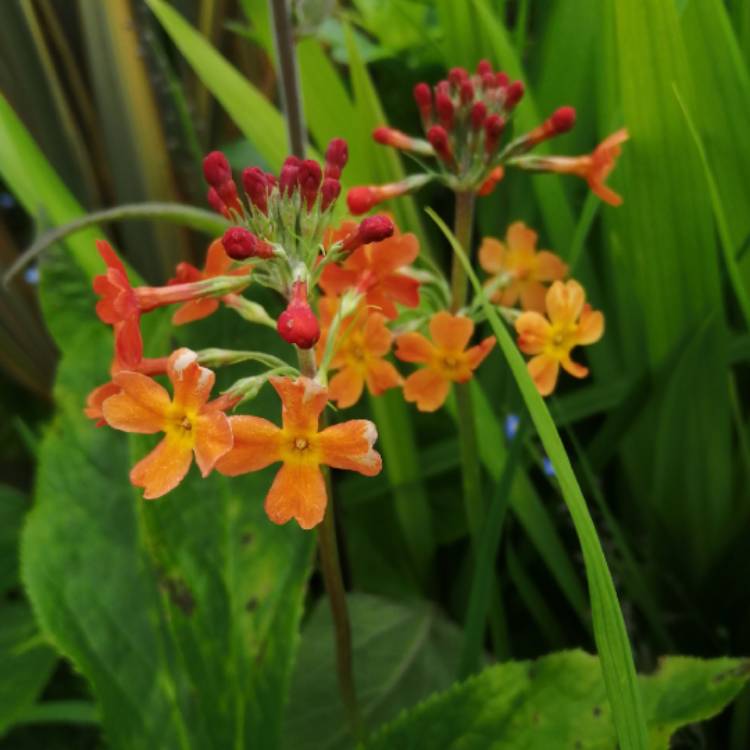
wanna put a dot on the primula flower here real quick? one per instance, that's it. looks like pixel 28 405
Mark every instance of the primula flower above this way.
pixel 192 425
pixel 373 269
pixel 362 342
pixel 218 263
pixel 299 491
pixel 569 323
pixel 446 358
pixel 517 258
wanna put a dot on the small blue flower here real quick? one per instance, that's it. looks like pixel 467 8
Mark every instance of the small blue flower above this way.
pixel 547 467
pixel 31 275
pixel 511 425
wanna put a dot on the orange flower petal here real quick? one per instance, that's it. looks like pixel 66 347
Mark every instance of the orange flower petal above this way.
pixel 128 341
pixel 256 445
pixel 590 326
pixel 533 332
pixel 111 258
pixel 298 492
pixel 565 302
pixel 382 375
pixel 520 238
pixel 427 388
pixel 414 347
pixel 96 398
pixel 302 402
pixel 336 280
pixel 141 406
pixel 573 368
pixel 377 338
pixel 549 267
pixel 349 446
pixel 213 439
pixel 604 192
pixel 533 296
pixel 400 288
pixel 162 469
pixel 510 294
pixel 492 255
pixel 192 383
pixel 196 309
pixel 346 387
pixel 543 371
pixel 393 253
pixel 451 332
pixel 477 354
pixel 217 260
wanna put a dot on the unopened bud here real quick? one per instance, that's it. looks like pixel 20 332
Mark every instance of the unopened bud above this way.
pixel 493 129
pixel 298 324
pixel 466 92
pixel 501 79
pixel 288 175
pixel 563 119
pixel 337 154
pixel 372 229
pixel 438 138
pixel 484 67
pixel 478 114
pixel 216 169
pixel 329 192
pixel 309 178
pixel 215 201
pixel 241 244
pixel 256 186
pixel 361 199
pixel 457 76
pixel 444 107
pixel 489 81
pixel 513 94
pixel 423 98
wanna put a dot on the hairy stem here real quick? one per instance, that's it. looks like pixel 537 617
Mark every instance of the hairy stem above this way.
pixel 288 69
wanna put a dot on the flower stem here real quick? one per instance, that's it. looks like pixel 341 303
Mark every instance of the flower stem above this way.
pixel 284 37
pixel 330 566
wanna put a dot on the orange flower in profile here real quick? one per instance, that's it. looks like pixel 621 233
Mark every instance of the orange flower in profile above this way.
pixel 363 340
pixel 299 491
pixel 374 270
pixel 594 167
pixel 446 358
pixel 192 425
pixel 569 323
pixel 528 269
pixel 218 263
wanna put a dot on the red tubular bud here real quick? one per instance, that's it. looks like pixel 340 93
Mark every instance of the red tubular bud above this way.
pixel 309 178
pixel 256 187
pixel 489 81
pixel 216 169
pixel 241 244
pixel 228 193
pixel 484 67
pixel 493 129
pixel 423 98
pixel 215 201
pixel 466 92
pixel 501 79
pixel 443 87
pixel 337 154
pixel 457 76
pixel 444 107
pixel 513 94
pixel 372 229
pixel 438 138
pixel 298 324
pixel 288 176
pixel 562 120
pixel 478 114
pixel 329 192
pixel 361 199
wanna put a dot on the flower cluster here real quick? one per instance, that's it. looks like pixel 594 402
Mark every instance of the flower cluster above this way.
pixel 466 119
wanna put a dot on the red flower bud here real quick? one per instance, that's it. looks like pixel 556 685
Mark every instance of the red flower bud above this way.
pixel 309 178
pixel 438 138
pixel 216 169
pixel 216 202
pixel 372 229
pixel 513 94
pixel 466 92
pixel 563 119
pixel 501 79
pixel 457 76
pixel 493 129
pixel 329 192
pixel 478 113
pixel 256 186
pixel 298 324
pixel 228 193
pixel 489 81
pixel 444 107
pixel 337 154
pixel 423 98
pixel 241 244
pixel 484 67
pixel 361 199
pixel 288 176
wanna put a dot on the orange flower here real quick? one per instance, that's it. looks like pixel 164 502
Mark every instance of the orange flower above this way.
pixel 594 167
pixel 218 263
pixel 446 358
pixel 362 341
pixel 571 323
pixel 374 269
pixel 518 258
pixel 191 425
pixel 299 491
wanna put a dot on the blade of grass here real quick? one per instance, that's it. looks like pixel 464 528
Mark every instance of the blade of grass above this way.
pixel 609 626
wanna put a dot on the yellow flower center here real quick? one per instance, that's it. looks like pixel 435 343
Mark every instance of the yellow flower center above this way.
pixel 562 338
pixel 300 448
pixel 180 426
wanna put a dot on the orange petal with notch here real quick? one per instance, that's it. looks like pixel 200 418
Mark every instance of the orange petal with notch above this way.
pixel 451 332
pixel 427 388
pixel 162 469
pixel 477 354
pixel 377 337
pixel 520 238
pixel 543 371
pixel 349 446
pixel 382 375
pixel 400 288
pixel 192 383
pixel 549 267
pixel 336 280
pixel 141 406
pixel 346 387
pixel 590 326
pixel 213 439
pixel 298 492
pixel 256 444
pixel 533 332
pixel 492 255
pixel 302 402
pixel 414 347
pixel 565 302
pixel 393 253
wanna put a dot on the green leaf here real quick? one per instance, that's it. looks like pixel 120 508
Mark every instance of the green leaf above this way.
pixel 559 702
pixel 609 627
pixel 402 653
pixel 13 506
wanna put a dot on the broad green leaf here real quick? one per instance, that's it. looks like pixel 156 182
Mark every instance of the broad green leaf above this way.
pixel 559 702
pixel 402 653
pixel 609 627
